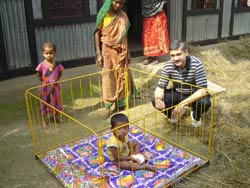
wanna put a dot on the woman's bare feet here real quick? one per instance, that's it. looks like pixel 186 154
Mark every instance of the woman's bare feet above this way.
pixel 147 61
pixel 154 60
pixel 106 114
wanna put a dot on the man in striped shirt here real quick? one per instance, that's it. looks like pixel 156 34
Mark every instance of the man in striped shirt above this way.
pixel 188 88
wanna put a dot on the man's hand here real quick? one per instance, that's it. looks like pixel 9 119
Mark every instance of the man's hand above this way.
pixel 159 104
pixel 159 95
pixel 177 112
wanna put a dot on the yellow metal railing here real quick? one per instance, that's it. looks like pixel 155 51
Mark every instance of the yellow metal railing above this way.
pixel 81 116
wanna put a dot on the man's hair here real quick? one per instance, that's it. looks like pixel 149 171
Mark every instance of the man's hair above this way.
pixel 117 118
pixel 49 45
pixel 178 45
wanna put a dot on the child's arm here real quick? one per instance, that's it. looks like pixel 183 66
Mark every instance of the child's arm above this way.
pixel 59 75
pixel 39 76
pixel 134 147
pixel 117 158
pixel 61 68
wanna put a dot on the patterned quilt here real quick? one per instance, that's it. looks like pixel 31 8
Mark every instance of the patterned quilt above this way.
pixel 77 164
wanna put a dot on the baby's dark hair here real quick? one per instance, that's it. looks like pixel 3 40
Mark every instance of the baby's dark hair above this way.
pixel 118 118
pixel 49 45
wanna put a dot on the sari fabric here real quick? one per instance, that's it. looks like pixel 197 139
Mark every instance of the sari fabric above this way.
pixel 155 39
pixel 151 7
pixel 115 55
pixel 102 12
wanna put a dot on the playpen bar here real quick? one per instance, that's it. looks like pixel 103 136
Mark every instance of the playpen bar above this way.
pixel 91 90
pixel 165 139
pixel 211 129
pixel 65 80
pixel 68 116
pixel 140 71
pixel 30 121
pixel 171 80
pixel 126 92
pixel 36 114
pixel 57 146
pixel 184 175
pixel 175 144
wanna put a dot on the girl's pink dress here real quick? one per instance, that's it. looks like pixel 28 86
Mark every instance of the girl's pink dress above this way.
pixel 50 93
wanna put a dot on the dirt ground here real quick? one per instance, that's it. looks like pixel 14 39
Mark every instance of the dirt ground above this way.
pixel 229 166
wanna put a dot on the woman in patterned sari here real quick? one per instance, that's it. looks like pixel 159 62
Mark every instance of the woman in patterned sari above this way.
pixel 112 54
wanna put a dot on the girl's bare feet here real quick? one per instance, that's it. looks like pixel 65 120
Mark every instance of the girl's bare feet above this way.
pixel 58 119
pixel 45 124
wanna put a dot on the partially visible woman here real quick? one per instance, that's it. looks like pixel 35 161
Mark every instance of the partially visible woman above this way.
pixel 112 54
pixel 155 41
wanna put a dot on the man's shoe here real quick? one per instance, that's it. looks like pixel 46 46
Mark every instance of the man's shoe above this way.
pixel 195 123
pixel 170 120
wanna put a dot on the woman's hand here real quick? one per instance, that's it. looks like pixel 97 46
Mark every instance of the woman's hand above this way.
pixel 99 60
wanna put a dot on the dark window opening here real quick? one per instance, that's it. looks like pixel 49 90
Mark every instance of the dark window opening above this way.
pixel 65 9
pixel 244 3
pixel 204 4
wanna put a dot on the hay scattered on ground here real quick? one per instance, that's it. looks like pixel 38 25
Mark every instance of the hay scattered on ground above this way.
pixel 228 65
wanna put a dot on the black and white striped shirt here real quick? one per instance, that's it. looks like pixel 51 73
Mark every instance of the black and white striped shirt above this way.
pixel 193 74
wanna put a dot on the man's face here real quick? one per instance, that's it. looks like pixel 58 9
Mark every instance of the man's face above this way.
pixel 117 5
pixel 178 57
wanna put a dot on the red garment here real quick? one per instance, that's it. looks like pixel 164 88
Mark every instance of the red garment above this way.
pixel 155 39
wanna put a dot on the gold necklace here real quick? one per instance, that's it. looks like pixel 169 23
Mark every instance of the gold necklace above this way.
pixel 51 66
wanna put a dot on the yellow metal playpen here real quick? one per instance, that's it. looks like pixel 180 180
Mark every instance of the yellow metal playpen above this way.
pixel 74 149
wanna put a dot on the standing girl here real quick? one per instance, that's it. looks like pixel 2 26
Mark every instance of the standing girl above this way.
pixel 49 72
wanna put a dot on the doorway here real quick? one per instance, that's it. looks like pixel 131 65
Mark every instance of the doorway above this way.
pixel 135 31
pixel 3 66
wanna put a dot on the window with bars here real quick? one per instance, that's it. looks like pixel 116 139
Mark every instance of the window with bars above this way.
pixel 204 4
pixel 244 3
pixel 57 9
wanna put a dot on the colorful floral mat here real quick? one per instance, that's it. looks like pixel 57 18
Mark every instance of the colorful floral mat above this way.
pixel 77 164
